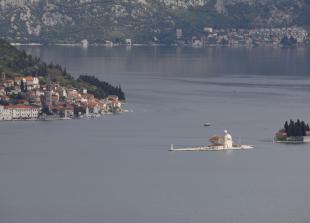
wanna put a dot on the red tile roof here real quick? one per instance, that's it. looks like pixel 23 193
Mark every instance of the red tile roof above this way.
pixel 8 81
pixel 29 78
pixel 18 78
pixel 19 107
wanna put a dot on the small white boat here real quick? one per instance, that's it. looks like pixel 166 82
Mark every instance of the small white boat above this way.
pixel 219 143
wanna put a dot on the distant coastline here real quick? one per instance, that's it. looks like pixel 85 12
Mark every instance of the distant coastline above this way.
pixel 209 36
pixel 156 45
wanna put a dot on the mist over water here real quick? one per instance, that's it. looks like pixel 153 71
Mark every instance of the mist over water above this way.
pixel 118 168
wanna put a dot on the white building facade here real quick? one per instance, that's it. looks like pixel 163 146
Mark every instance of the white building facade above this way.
pixel 18 112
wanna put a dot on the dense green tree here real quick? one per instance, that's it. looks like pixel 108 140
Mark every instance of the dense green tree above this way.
pixel 45 110
pixel 288 41
pixel 296 129
pixel 303 128
pixel 22 86
pixel 286 126
pixel 103 89
pixel 4 102
pixel 79 110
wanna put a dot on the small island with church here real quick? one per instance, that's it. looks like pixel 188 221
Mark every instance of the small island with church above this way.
pixel 293 133
pixel 218 143
pixel 30 89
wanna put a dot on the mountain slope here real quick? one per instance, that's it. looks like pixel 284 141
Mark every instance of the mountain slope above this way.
pixel 141 20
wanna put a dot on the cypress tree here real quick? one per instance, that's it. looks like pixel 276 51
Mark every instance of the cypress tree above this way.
pixel 290 131
pixel 286 127
pixel 298 128
pixel 22 86
pixel 303 128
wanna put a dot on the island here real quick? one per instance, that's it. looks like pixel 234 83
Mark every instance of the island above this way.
pixel 30 89
pixel 293 133
pixel 218 143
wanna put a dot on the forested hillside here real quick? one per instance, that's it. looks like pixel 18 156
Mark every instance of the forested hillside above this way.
pixel 59 21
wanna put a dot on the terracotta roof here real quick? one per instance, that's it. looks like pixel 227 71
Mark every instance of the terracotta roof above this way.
pixel 113 97
pixel 22 101
pixel 29 78
pixel 215 138
pixel 18 78
pixel 8 81
pixel 19 107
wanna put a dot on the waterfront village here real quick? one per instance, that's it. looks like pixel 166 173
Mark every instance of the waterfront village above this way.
pixel 209 36
pixel 248 37
pixel 25 98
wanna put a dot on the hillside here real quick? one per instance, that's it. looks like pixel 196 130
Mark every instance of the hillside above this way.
pixel 14 62
pixel 59 21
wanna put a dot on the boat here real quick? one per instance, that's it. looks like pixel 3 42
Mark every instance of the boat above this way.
pixel 219 143
pixel 207 124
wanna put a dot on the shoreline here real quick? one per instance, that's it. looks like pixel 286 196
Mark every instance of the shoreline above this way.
pixel 90 116
pixel 159 45
pixel 292 142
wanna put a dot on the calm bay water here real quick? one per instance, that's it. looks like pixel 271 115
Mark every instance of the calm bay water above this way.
pixel 118 168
